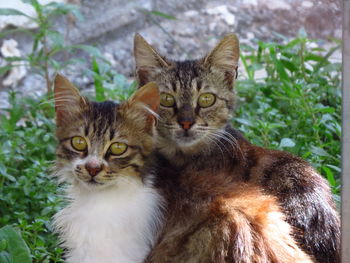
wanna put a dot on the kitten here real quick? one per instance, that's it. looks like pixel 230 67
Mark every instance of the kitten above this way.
pixel 197 102
pixel 113 209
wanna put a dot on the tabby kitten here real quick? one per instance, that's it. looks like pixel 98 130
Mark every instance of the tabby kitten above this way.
pixel 195 137
pixel 113 209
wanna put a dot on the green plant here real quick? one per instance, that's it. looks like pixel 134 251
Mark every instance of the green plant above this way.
pixel 108 83
pixel 48 44
pixel 28 195
pixel 296 104
pixel 13 249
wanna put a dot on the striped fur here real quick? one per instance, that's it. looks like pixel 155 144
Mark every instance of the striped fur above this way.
pixel 212 147
pixel 112 216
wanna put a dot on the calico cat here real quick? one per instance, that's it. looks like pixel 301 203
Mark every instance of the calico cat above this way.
pixel 200 153
pixel 113 209
pixel 214 219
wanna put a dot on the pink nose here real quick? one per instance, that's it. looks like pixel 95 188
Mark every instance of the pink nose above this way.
pixel 186 125
pixel 93 167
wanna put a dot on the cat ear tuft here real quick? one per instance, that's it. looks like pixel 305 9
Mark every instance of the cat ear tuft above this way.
pixel 225 55
pixel 148 62
pixel 67 98
pixel 146 101
pixel 148 95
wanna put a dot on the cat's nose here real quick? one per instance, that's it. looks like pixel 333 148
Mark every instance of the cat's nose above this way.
pixel 186 125
pixel 93 167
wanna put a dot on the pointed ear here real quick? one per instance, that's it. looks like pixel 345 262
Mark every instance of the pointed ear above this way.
pixel 147 95
pixel 145 102
pixel 67 99
pixel 148 62
pixel 224 57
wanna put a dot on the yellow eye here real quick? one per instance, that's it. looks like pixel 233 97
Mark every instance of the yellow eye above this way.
pixel 118 148
pixel 79 143
pixel 167 100
pixel 206 100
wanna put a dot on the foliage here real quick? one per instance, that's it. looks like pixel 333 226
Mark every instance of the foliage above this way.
pixel 296 106
pixel 28 196
pixel 108 83
pixel 48 44
pixel 13 249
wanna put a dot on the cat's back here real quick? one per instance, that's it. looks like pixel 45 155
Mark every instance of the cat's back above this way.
pixel 281 172
pixel 304 195
pixel 243 225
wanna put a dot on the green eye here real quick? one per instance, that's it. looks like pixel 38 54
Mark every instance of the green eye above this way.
pixel 206 100
pixel 79 143
pixel 167 100
pixel 118 148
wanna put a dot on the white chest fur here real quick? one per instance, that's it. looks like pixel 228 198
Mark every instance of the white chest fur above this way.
pixel 115 225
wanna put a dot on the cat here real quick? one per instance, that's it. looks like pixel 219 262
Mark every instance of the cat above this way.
pixel 214 219
pixel 194 135
pixel 113 210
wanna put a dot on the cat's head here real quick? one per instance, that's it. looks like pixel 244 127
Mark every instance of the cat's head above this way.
pixel 100 143
pixel 197 96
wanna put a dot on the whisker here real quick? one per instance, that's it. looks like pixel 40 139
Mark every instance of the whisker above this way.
pixel 219 136
pixel 215 142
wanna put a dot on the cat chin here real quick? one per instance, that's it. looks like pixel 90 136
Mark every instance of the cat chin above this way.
pixel 189 146
pixel 93 185
pixel 119 181
pixel 186 143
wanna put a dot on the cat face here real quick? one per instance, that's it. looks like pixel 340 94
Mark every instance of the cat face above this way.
pixel 197 97
pixel 100 143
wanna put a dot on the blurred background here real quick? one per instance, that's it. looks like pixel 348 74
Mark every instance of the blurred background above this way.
pixel 289 85
pixel 182 29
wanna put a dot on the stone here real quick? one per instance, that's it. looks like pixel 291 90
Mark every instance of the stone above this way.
pixel 190 13
pixel 277 4
pixel 223 12
pixel 307 4
pixel 20 21
pixel 18 70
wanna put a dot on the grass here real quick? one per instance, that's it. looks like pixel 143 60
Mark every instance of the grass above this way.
pixel 295 107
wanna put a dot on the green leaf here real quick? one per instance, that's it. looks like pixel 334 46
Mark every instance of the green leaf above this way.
pixel 13 12
pixel 293 43
pixel 99 90
pixel 5 69
pixel 15 30
pixel 325 58
pixel 313 57
pixel 330 176
pixel 3 245
pixel 335 168
pixel 319 151
pixel 289 65
pixel 244 121
pixel 17 248
pixel 37 6
pixel 279 66
pixel 63 9
pixel 161 14
pixel 287 142
pixel 5 257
